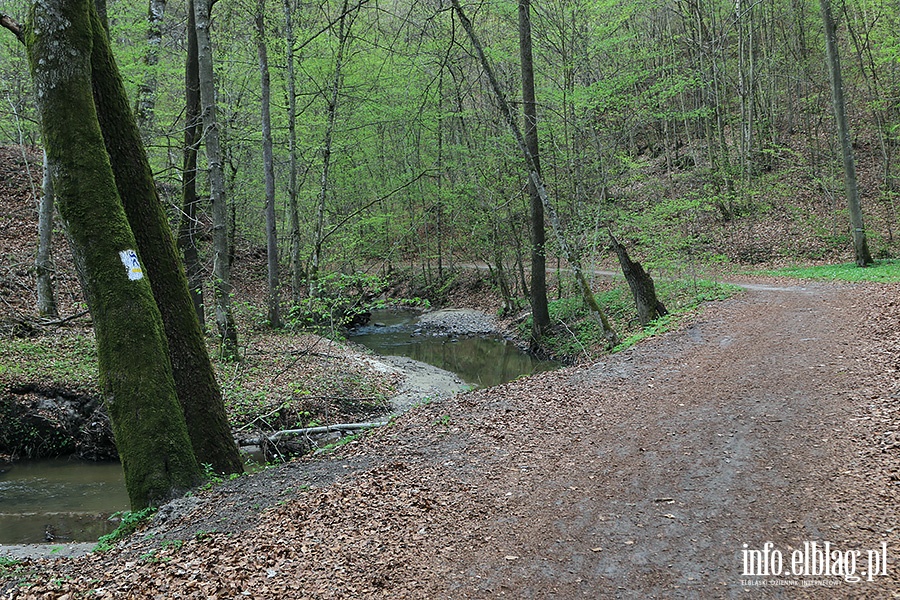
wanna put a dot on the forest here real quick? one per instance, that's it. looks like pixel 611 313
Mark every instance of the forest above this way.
pixel 199 201
pixel 313 160
pixel 363 140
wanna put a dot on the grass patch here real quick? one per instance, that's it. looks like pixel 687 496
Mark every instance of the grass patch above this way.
pixel 69 360
pixel 576 333
pixel 883 271
pixel 660 325
pixel 347 439
pixel 128 524
pixel 680 297
pixel 16 574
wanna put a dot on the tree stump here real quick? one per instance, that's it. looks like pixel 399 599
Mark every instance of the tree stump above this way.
pixel 649 307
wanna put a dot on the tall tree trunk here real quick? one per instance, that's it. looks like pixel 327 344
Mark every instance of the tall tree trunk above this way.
pixel 439 205
pixel 135 374
pixel 293 209
pixel 43 262
pixel 221 254
pixel 860 246
pixel 539 310
pixel 189 228
pixel 326 154
pixel 746 84
pixel 571 257
pixel 146 102
pixel 273 303
pixel 195 380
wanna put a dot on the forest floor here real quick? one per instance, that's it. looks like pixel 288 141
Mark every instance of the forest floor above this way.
pixel 652 473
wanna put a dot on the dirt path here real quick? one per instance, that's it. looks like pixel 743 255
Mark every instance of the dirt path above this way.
pixel 641 476
pixel 650 471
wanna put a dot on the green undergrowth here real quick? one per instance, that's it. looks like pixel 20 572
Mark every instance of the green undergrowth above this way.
pixel 341 300
pixel 343 441
pixel 576 333
pixel 69 360
pixel 279 385
pixel 883 271
pixel 129 521
pixel 9 566
pixel 680 298
pixel 16 574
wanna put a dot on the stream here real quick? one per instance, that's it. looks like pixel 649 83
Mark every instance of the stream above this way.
pixel 481 361
pixel 59 500
pixel 63 500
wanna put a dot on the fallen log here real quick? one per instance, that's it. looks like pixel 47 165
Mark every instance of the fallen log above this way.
pixel 341 427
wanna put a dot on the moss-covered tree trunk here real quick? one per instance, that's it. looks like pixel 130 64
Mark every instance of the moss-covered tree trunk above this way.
pixel 135 375
pixel 195 381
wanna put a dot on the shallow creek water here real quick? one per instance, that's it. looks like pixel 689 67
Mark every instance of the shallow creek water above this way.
pixel 480 361
pixel 59 500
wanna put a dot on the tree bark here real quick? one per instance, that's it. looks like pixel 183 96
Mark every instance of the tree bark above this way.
pixel 649 307
pixel 221 255
pixel 135 376
pixel 273 302
pixel 189 229
pixel 571 257
pixel 43 262
pixel 860 246
pixel 539 310
pixel 326 154
pixel 296 262
pixel 195 381
pixel 146 103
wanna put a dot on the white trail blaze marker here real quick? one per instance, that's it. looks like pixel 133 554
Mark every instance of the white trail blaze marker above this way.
pixel 132 265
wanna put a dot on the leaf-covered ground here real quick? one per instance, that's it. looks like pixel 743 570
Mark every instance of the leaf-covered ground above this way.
pixel 771 418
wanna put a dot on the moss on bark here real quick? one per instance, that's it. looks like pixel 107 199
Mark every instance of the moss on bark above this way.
pixel 195 381
pixel 135 375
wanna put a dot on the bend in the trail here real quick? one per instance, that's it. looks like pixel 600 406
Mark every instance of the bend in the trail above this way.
pixel 645 474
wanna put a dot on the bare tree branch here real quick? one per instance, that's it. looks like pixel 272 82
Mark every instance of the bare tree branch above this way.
pixel 9 23
pixel 375 201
